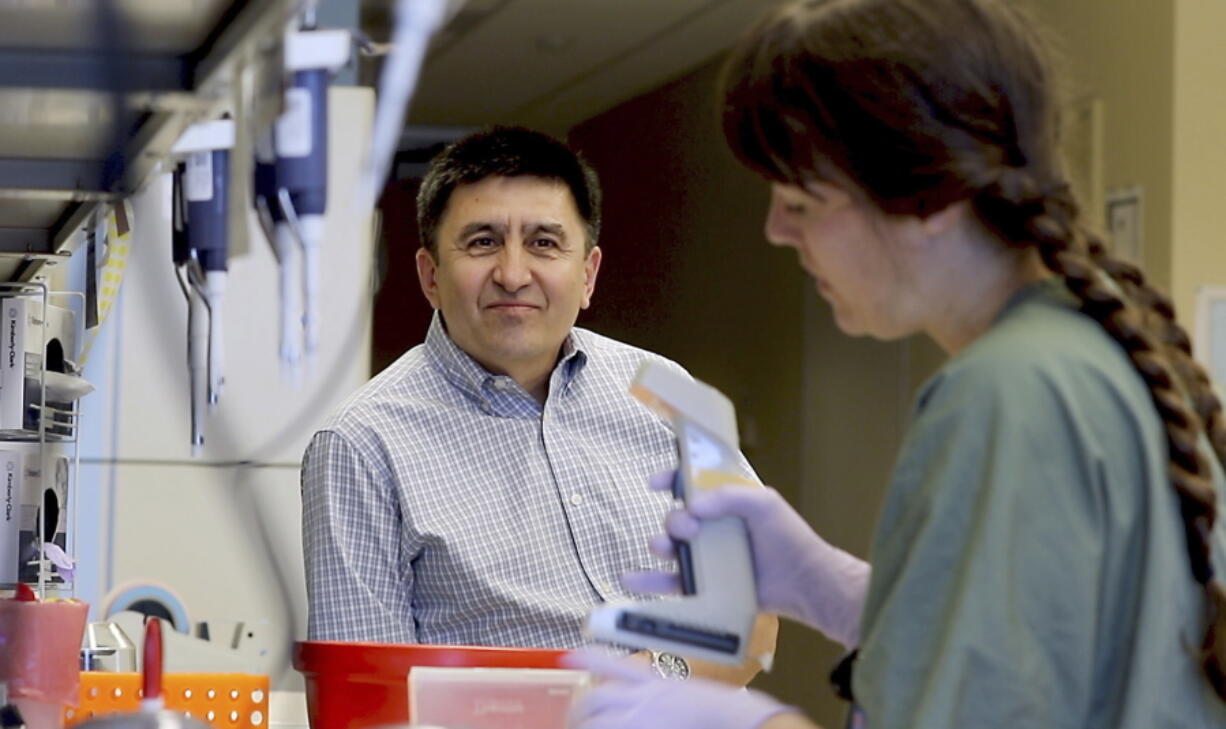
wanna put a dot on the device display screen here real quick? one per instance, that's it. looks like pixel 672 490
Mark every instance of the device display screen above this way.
pixel 707 461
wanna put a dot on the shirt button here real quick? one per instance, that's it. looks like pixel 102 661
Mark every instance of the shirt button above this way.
pixel 576 499
pixel 607 588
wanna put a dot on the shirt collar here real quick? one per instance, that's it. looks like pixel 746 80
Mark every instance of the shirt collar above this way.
pixel 499 394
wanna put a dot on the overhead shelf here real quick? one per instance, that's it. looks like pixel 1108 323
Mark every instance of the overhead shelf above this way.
pixel 69 71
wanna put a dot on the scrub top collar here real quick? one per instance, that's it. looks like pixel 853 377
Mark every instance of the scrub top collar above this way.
pixel 1047 286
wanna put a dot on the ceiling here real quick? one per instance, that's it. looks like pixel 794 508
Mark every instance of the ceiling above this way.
pixel 93 95
pixel 549 64
pixel 151 26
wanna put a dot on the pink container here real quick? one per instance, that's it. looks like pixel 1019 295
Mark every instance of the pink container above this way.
pixel 494 698
pixel 40 649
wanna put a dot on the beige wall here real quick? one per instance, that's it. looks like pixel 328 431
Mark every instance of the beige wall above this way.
pixel 686 272
pixel 1158 65
pixel 1198 256
pixel 1122 52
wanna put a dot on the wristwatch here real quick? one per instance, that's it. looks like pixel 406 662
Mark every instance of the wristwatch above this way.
pixel 670 666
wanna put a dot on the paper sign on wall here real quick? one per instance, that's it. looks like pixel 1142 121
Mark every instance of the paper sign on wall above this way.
pixel 1125 223
pixel 1210 343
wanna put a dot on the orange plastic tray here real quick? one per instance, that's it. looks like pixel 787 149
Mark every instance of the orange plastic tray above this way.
pixel 225 700
pixel 358 685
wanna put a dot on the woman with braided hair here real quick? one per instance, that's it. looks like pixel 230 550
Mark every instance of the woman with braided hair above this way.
pixel 1050 552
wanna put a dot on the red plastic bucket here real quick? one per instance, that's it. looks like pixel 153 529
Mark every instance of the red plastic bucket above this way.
pixel 358 685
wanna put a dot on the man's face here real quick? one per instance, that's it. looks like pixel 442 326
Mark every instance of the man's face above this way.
pixel 512 271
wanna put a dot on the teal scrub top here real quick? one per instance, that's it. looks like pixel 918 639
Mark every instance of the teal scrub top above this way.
pixel 1029 566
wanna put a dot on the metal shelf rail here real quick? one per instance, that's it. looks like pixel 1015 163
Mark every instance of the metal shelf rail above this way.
pixel 93 94
pixel 56 425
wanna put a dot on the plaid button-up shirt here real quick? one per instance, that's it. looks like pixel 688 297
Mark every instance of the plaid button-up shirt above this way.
pixel 444 505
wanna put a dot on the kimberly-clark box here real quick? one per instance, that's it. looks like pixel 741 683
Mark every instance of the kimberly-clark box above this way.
pixel 493 698
pixel 29 343
pixel 46 504
pixel 10 515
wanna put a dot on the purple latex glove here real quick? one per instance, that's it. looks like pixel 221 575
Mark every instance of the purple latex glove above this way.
pixel 799 574
pixel 629 695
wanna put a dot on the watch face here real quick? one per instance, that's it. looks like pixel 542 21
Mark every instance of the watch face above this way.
pixel 672 666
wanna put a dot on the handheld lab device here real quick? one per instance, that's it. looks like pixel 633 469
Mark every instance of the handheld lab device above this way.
pixel 714 617
pixel 206 187
pixel 200 200
pixel 290 184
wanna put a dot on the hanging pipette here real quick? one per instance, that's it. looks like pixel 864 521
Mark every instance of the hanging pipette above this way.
pixel 201 243
pixel 285 249
pixel 207 195
pixel 301 144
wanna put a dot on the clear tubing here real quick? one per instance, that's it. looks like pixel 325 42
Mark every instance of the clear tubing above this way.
pixel 291 318
pixel 416 21
pixel 312 229
pixel 214 292
pixel 197 365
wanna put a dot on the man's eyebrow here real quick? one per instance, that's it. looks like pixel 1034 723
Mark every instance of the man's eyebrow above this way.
pixel 481 226
pixel 550 228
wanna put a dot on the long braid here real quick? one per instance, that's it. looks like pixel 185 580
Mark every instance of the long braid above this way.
pixel 1142 320
pixel 1162 313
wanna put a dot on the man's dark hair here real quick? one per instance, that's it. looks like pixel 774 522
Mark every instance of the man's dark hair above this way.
pixel 505 152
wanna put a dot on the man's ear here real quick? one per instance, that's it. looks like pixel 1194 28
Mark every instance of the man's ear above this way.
pixel 591 267
pixel 427 269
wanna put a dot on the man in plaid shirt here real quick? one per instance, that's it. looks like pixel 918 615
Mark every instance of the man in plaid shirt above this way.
pixel 489 487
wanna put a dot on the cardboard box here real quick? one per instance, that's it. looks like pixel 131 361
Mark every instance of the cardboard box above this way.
pixel 45 504
pixel 10 515
pixel 23 356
